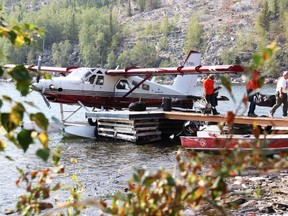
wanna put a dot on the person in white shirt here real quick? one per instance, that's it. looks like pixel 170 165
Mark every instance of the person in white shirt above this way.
pixel 281 94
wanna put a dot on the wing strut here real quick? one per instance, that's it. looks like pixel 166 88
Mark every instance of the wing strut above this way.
pixel 136 86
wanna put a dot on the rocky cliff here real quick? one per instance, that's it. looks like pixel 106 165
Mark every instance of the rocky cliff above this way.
pixel 223 21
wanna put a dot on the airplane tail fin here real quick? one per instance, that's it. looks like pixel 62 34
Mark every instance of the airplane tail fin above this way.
pixel 187 83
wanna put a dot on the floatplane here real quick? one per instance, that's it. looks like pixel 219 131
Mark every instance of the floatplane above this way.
pixel 118 88
pixel 133 88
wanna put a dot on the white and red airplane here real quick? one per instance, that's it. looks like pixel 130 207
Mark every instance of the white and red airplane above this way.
pixel 97 87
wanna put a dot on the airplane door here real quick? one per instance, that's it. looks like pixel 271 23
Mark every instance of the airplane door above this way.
pixel 93 85
pixel 89 83
pixel 121 88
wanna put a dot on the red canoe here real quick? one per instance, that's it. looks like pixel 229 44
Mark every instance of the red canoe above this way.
pixel 271 142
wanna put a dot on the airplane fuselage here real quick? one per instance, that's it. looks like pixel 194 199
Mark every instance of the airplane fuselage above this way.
pixel 93 88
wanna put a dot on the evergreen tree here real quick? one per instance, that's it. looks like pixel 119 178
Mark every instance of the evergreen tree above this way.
pixel 61 53
pixel 194 34
pixel 275 9
pixel 264 17
pixel 166 27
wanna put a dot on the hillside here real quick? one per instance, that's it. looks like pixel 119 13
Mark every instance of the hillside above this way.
pixel 224 31
pixel 222 25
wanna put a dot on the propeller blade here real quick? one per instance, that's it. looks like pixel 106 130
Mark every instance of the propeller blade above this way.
pixel 45 100
pixel 38 69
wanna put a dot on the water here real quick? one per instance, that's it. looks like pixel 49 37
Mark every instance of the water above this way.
pixel 104 167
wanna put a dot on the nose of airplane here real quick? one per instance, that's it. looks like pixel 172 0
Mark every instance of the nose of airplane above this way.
pixel 36 86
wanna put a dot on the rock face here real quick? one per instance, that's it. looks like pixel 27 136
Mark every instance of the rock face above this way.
pixel 223 21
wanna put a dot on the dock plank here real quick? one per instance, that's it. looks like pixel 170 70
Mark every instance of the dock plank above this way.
pixel 263 121
pixel 192 116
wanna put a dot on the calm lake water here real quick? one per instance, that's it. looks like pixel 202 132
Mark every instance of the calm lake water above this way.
pixel 104 167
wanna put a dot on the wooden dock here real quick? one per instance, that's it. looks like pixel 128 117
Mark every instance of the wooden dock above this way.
pixel 151 126
pixel 263 121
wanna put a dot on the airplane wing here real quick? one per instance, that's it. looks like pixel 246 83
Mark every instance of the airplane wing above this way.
pixel 44 68
pixel 217 69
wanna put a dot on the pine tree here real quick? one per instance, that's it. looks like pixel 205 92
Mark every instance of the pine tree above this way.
pixel 264 17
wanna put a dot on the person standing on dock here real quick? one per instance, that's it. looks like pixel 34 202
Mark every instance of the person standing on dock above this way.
pixel 281 94
pixel 250 87
pixel 210 93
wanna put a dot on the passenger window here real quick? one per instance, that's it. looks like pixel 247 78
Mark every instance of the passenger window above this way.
pixel 122 84
pixel 145 87
pixel 100 80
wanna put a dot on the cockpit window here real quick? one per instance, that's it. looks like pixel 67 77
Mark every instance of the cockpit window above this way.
pixel 87 74
pixel 91 79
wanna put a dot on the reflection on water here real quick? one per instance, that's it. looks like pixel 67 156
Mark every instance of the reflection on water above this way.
pixel 104 167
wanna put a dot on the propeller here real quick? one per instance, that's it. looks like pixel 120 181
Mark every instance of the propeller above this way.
pixel 38 70
pixel 45 100
pixel 37 81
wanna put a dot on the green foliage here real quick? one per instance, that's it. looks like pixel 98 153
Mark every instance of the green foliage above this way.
pixel 25 138
pixel 64 27
pixel 148 4
pixel 40 120
pixel 75 193
pixel 143 54
pixel 165 26
pixel 264 17
pixel 61 52
pixel 245 43
pixel 95 32
pixel 164 63
pixel 163 42
pixel 111 60
pixel 285 25
pixel 22 79
pixel 275 10
pixel 228 56
pixel 148 29
pixel 194 34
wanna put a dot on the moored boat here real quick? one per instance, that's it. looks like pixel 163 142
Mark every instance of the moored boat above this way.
pixel 212 142
pixel 199 136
